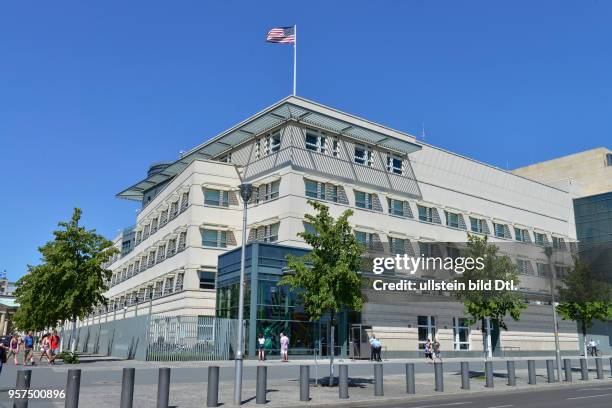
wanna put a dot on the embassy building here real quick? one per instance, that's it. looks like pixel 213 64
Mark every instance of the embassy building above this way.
pixel 182 256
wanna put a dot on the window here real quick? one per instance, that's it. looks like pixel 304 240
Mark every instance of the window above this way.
pixel 214 238
pixel 363 155
pixel 363 200
pixel 267 233
pixel 476 225
pixel 540 239
pixel 267 145
pixel 396 207
pixel 521 235
pixel 316 141
pixel 561 271
pixel 207 280
pixel 309 228
pixel 523 266
pixel 426 249
pixel 321 191
pixel 335 148
pixel 273 142
pixel 395 164
pixel 426 326
pixel 226 158
pixel 218 198
pixel 425 214
pixel 558 243
pixel 267 191
pixel 543 270
pixel 500 230
pixel 461 331
pixel 608 159
pixel 397 245
pixel 452 219
pixel 367 239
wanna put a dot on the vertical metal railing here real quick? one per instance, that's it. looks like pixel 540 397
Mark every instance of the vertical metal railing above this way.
pixel 191 338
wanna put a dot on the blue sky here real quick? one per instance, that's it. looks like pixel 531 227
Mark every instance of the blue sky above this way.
pixel 91 95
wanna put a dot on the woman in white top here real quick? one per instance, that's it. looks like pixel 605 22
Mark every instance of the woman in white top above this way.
pixel 261 341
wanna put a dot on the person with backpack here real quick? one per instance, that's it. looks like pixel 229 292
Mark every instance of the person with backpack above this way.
pixel 28 348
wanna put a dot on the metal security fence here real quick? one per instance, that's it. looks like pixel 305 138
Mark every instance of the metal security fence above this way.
pixel 191 338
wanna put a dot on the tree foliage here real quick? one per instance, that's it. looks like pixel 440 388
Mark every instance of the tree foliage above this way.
pixel 493 304
pixel 584 296
pixel 327 277
pixel 70 280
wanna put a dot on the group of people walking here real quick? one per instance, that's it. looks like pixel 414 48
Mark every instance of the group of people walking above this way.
pixel 432 351
pixel 11 347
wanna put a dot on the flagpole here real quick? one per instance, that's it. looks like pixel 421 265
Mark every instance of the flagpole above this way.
pixel 294 58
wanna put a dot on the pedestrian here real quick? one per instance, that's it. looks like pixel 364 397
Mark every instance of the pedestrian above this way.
pixel 4 345
pixel 28 348
pixel 45 348
pixel 376 348
pixel 372 352
pixel 13 349
pixel 261 342
pixel 436 350
pixel 284 343
pixel 428 351
pixel 54 342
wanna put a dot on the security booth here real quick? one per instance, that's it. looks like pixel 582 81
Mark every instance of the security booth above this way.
pixel 359 341
pixel 271 309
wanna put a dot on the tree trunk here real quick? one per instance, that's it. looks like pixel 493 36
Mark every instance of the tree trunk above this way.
pixel 331 351
pixel 584 339
pixel 486 332
pixel 73 335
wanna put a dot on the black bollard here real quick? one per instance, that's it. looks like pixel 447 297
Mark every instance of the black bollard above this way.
pixel 567 367
pixel 304 383
pixel 212 394
pixel 163 387
pixel 127 388
pixel 439 377
pixel 610 366
pixel 343 382
pixel 599 367
pixel 378 380
pixel 260 394
pixel 489 374
pixel 584 369
pixel 511 373
pixel 22 385
pixel 531 371
pixel 410 385
pixel 73 385
pixel 465 375
pixel 550 371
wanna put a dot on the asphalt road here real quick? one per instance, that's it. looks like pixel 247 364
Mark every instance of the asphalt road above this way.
pixel 592 396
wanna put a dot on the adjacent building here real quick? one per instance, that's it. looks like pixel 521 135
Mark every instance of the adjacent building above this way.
pixel 407 197
pixel 588 176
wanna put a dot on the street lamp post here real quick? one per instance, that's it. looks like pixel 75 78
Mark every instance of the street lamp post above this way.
pixel 553 285
pixel 246 189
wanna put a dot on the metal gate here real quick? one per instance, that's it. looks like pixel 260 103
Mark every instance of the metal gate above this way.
pixel 190 338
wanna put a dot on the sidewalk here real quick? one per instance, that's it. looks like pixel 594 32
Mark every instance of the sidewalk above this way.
pixel 93 362
pixel 285 393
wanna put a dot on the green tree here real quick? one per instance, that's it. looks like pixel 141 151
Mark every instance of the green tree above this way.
pixel 327 279
pixel 489 305
pixel 70 280
pixel 584 297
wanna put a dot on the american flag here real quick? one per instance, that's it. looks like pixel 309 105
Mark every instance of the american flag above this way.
pixel 283 35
